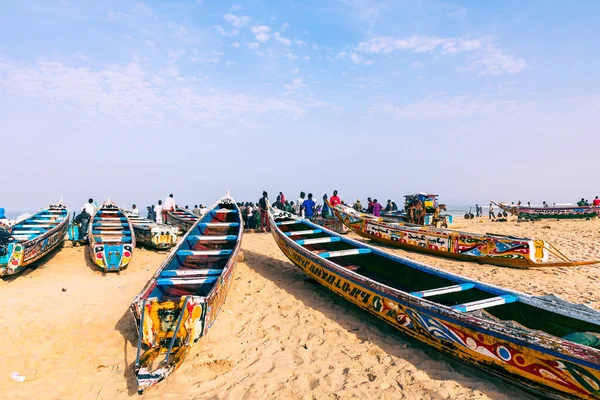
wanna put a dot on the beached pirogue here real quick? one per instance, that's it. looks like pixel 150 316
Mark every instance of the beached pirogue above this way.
pixel 181 218
pixel 544 342
pixel 33 238
pixel 111 238
pixel 182 300
pixel 565 212
pixel 150 234
pixel 506 251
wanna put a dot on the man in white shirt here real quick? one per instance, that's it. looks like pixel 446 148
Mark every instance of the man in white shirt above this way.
pixel 159 212
pixel 135 210
pixel 89 207
pixel 298 210
pixel 203 210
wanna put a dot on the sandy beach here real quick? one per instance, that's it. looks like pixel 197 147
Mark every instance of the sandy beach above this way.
pixel 67 328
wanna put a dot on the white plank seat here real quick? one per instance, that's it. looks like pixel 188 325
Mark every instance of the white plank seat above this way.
pixel 308 232
pixel 341 253
pixel 190 272
pixel 218 224
pixel 186 253
pixel 209 238
pixel 175 281
pixel 486 303
pixel 444 290
pixel 329 239
pixel 293 222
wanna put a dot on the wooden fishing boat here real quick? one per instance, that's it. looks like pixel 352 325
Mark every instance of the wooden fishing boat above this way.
pixel 111 238
pixel 542 342
pixel 181 218
pixel 150 234
pixel 181 302
pixel 505 251
pixel 563 212
pixel 332 224
pixel 33 238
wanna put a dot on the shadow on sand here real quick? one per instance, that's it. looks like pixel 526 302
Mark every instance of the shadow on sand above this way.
pixel 126 326
pixel 369 328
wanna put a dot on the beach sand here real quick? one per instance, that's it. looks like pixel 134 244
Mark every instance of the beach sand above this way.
pixel 279 334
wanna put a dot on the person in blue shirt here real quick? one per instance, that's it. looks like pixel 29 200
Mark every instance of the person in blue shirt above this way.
pixel 309 207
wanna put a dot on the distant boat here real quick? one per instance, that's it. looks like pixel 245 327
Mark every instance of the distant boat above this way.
pixel 542 342
pixel 150 234
pixel 111 238
pixel 503 250
pixel 34 237
pixel 181 302
pixel 181 218
pixel 562 212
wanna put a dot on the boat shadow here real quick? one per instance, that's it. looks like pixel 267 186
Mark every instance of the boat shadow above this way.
pixel 127 328
pixel 352 318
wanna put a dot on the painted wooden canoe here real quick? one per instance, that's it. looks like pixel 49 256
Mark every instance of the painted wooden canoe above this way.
pixel 195 278
pixel 152 235
pixel 505 251
pixel 332 224
pixel 111 238
pixel 181 218
pixel 34 237
pixel 527 340
pixel 569 212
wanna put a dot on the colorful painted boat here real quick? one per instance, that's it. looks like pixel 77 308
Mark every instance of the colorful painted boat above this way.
pixel 33 238
pixel 505 251
pixel 532 341
pixel 150 234
pixel 332 224
pixel 563 212
pixel 181 302
pixel 181 218
pixel 111 238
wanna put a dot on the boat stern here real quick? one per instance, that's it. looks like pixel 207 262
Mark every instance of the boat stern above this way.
pixel 163 238
pixel 112 257
pixel 12 261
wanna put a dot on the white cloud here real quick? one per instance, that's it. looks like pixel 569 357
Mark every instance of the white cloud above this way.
pixel 284 26
pixel 253 46
pixel 129 94
pixel 354 57
pixel 261 33
pixel 417 64
pixel 223 32
pixel 235 45
pixel 299 42
pixel 295 71
pixel 291 56
pixel 443 107
pixel 484 57
pixel 282 39
pixel 296 85
pixel 237 21
pixel 230 63
pixel 236 7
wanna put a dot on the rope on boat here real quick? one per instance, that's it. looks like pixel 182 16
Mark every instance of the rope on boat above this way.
pixel 557 252
pixel 176 330
pixel 140 334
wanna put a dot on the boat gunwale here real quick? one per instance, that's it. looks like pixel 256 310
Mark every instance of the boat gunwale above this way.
pixel 503 331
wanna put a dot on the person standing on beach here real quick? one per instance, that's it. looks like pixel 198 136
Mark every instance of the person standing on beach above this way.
pixel 299 210
pixel 492 215
pixel 168 206
pixel 90 208
pixel 278 203
pixel 159 212
pixel 135 210
pixel 308 207
pixel 263 205
pixel 369 205
pixel 282 197
pixel 335 200
pixel 357 206
pixel 596 202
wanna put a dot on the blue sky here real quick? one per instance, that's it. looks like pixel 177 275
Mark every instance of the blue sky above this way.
pixel 135 100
